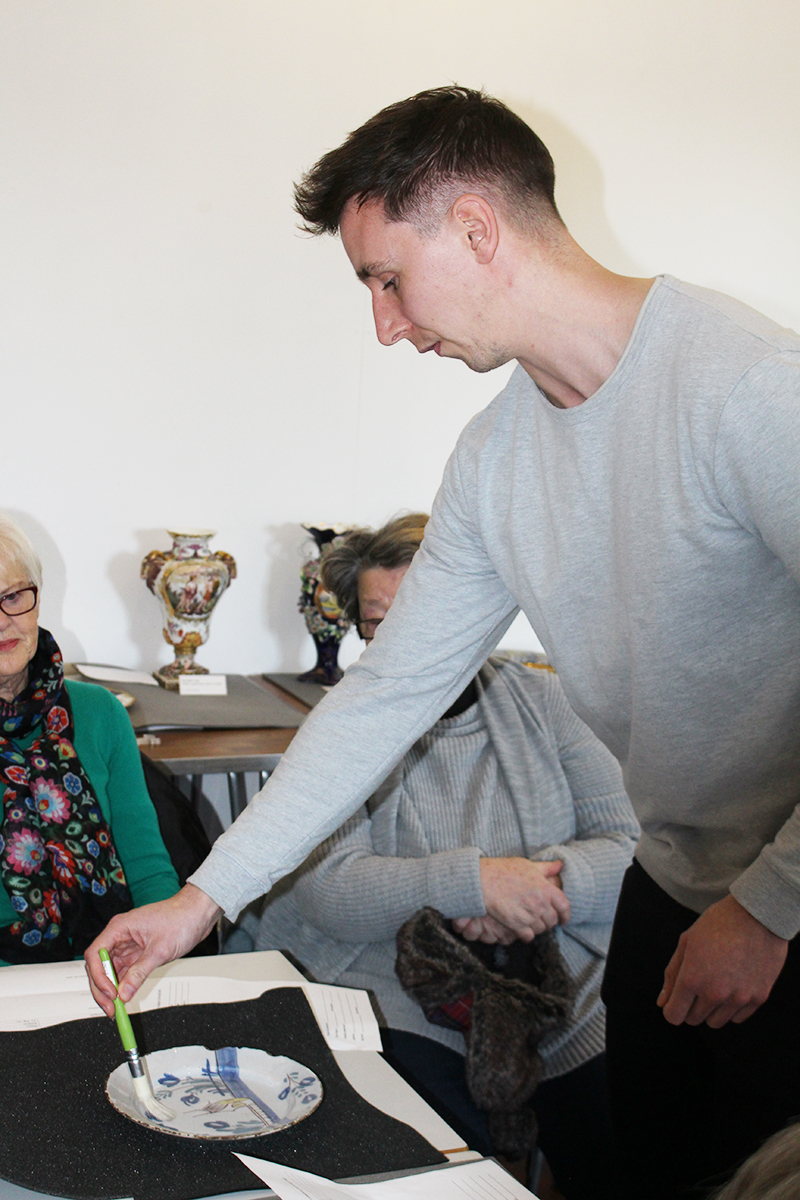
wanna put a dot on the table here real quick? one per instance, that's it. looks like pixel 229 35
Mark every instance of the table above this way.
pixel 231 752
pixel 366 1070
pixel 245 731
pixel 291 688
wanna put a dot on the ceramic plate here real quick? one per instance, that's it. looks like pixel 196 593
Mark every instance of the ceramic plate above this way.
pixel 234 1092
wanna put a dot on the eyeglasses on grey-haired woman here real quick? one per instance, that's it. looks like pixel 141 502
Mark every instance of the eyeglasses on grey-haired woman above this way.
pixel 19 602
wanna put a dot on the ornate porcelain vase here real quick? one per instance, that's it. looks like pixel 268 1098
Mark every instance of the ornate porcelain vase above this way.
pixel 188 580
pixel 323 616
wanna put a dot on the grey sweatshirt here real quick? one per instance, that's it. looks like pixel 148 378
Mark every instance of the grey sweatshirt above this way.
pixel 652 537
pixel 515 775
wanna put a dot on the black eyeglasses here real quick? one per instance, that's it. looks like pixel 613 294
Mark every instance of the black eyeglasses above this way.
pixel 16 604
pixel 367 628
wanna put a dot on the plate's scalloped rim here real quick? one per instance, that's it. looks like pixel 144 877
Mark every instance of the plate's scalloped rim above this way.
pixel 140 1119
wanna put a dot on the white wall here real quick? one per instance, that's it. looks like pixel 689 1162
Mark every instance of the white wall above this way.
pixel 173 351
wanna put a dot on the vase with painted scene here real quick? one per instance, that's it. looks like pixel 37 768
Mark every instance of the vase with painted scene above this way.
pixel 188 580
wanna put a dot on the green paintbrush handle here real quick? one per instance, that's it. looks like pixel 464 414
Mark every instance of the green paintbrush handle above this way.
pixel 124 1025
pixel 123 1020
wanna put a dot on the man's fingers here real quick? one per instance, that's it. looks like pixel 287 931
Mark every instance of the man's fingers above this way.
pixel 699 1003
pixel 717 1009
pixel 671 973
pixel 675 998
pixel 677 1007
pixel 128 959
pixel 720 1016
pixel 742 1014
pixel 135 976
pixel 702 1009
pixel 101 986
pixel 735 1010
pixel 103 998
pixel 723 968
pixel 104 987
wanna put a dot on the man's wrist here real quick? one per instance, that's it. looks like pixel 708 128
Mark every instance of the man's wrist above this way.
pixel 203 908
pixel 747 918
pixel 766 895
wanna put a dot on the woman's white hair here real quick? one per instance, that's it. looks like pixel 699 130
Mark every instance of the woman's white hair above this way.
pixel 18 559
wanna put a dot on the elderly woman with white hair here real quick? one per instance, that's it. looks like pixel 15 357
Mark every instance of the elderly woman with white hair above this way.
pixel 79 838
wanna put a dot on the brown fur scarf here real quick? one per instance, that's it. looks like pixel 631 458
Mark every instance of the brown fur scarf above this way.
pixel 518 994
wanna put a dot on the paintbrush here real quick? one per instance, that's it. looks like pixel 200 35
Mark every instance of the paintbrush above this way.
pixel 144 1092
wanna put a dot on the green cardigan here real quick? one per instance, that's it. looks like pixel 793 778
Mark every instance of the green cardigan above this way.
pixel 107 748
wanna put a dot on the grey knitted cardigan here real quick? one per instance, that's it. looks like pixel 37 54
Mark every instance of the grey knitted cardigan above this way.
pixel 516 774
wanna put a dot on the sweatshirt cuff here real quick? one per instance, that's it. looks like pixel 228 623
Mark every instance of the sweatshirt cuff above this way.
pixel 214 876
pixel 454 882
pixel 769 898
pixel 578 882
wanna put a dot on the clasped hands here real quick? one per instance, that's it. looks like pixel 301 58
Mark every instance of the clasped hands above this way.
pixel 522 898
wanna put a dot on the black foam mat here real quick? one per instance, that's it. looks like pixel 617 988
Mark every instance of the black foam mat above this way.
pixel 62 1136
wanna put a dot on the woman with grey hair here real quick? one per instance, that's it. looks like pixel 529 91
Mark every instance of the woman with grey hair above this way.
pixel 508 801
pixel 79 837
pixel 390 548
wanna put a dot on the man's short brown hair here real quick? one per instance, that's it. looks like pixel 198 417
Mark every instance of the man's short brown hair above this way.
pixel 418 155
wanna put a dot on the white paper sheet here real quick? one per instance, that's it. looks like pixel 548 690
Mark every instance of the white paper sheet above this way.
pixel 203 685
pixel 345 1016
pixel 36 1012
pixel 115 674
pixel 41 995
pixel 481 1180
pixel 42 979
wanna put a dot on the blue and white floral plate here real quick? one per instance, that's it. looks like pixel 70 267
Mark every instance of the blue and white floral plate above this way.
pixel 234 1092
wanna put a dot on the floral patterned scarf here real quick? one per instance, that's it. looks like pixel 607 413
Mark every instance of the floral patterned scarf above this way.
pixel 58 863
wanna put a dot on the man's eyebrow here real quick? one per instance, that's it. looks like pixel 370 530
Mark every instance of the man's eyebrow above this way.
pixel 371 270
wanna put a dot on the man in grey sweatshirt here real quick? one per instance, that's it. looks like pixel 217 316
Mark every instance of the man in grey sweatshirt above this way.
pixel 634 489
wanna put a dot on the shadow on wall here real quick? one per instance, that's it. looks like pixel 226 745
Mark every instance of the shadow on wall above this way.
pixel 144 611
pixel 287 547
pixel 54 573
pixel 580 191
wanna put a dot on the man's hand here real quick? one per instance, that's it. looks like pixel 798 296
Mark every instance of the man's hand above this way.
pixel 522 896
pixel 145 938
pixel 723 969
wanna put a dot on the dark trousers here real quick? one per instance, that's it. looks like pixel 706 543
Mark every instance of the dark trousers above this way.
pixel 689 1103
pixel 572 1111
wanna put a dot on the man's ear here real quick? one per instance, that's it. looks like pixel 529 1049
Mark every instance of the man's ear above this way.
pixel 477 225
